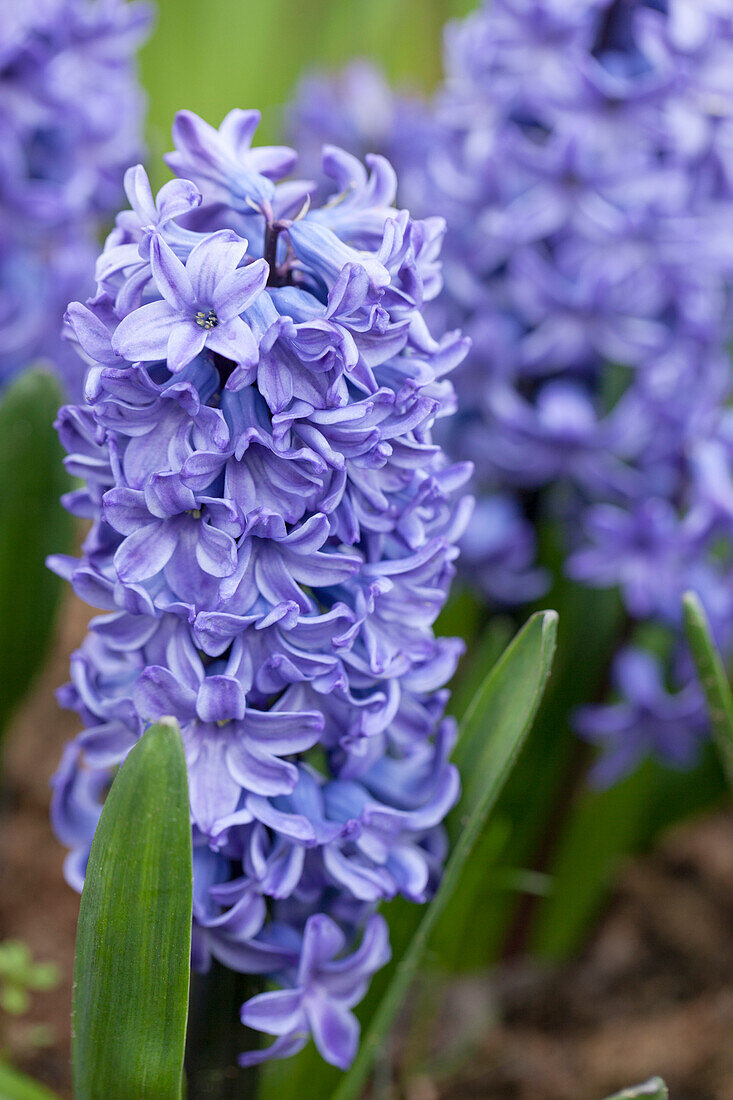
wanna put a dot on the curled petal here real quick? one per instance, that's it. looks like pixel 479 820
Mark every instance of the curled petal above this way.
pixel 145 552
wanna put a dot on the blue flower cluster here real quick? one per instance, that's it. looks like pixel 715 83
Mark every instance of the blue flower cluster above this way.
pixel 273 532
pixel 582 155
pixel 70 122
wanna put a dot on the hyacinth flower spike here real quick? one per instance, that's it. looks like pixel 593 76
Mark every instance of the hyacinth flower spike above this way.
pixel 273 536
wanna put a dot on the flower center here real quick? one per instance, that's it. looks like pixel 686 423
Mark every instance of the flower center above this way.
pixel 206 318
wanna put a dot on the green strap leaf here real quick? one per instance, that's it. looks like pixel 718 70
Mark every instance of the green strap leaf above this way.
pixel 131 973
pixel 16 1086
pixel 539 782
pixel 484 651
pixel 491 737
pixel 32 525
pixel 712 676
pixel 653 1089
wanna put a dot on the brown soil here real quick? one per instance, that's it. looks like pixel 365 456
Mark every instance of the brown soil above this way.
pixel 653 992
pixel 36 905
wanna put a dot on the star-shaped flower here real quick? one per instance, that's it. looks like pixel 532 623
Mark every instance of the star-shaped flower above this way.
pixel 200 304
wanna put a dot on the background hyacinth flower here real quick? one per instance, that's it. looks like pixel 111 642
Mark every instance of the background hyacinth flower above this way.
pixel 648 719
pixel 273 536
pixel 71 113
pixel 581 156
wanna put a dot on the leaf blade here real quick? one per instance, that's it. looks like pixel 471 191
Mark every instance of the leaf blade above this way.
pixel 539 781
pixel 527 660
pixel 33 524
pixel 653 1089
pixel 131 973
pixel 712 677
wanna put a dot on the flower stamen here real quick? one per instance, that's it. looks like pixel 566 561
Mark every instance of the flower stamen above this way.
pixel 206 319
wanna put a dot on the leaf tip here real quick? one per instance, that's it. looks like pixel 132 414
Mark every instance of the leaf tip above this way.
pixel 692 603
pixel 550 621
pixel 550 618
pixel 169 722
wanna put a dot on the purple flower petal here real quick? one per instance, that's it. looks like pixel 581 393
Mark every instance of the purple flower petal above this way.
pixel 220 699
pixel 211 262
pixel 259 771
pixel 145 552
pixel 139 194
pixel 234 340
pixel 283 733
pixel 285 1047
pixel 171 277
pixel 277 1013
pixel 143 335
pixel 322 940
pixel 126 510
pixel 213 791
pixel 216 552
pixel 238 289
pixel 159 693
pixel 335 1030
pixel 185 341
pixel 93 336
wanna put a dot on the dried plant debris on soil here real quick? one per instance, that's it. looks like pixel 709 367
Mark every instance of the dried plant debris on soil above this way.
pixel 653 993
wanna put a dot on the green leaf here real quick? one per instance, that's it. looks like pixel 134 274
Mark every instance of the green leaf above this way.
pixel 483 653
pixel 461 615
pixel 653 1089
pixel 32 525
pixel 481 877
pixel 479 746
pixel 712 676
pixel 589 623
pixel 16 1086
pixel 491 736
pixel 133 944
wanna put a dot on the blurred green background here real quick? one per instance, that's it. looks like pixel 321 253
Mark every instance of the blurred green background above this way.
pixel 212 55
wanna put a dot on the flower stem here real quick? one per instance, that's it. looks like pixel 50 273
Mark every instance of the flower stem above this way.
pixel 215 1036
